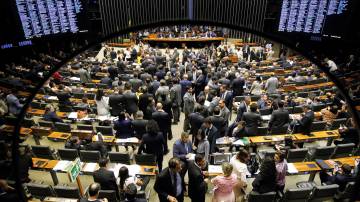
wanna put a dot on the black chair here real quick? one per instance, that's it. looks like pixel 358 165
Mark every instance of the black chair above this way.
pixel 347 193
pixel 63 127
pixel 40 191
pixel 257 197
pixel 297 110
pixel 67 192
pixel 261 131
pixel 85 127
pixel 145 159
pixel 318 107
pixel 218 159
pixel 279 131
pixel 116 157
pixel 290 109
pixel 90 85
pixel 90 96
pixel 68 154
pixel 255 98
pixel 239 98
pixel 267 153
pixel 102 85
pixel 336 123
pixel 105 130
pixel 35 105
pixel 11 120
pixel 109 194
pixel 266 111
pixel 297 194
pixel 65 108
pixel 46 124
pixel 303 94
pixel 43 152
pixel 296 155
pixel 90 156
pixel 28 123
pixel 323 193
pixel 78 95
pixel 318 126
pixel 343 150
pixel 323 153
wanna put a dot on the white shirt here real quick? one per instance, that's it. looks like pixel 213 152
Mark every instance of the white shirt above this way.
pixel 240 169
pixel 332 65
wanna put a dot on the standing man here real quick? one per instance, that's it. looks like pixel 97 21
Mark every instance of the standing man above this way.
pixel 197 182
pixel 163 120
pixel 189 104
pixel 224 111
pixel 169 184
pixel 116 102
pixel 175 97
pixel 181 149
pixel 84 75
pixel 271 85
pixel 212 134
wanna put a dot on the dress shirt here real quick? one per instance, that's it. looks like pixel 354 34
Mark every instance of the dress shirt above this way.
pixel 177 181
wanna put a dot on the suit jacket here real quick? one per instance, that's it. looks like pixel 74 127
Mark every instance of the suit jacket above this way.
pixel 208 98
pixel 252 122
pixel 240 111
pixel 263 185
pixel 131 102
pixel 123 129
pixel 197 186
pixel 279 118
pixel 189 103
pixel 144 101
pixel 306 122
pixel 106 179
pixel 175 94
pixel 212 135
pixel 84 76
pixel 219 123
pixel 196 120
pixel 116 103
pixel 113 72
pixel 14 104
pixel 163 119
pixel 64 98
pixel 164 187
pixel 153 144
pixel 179 149
pixel 139 126
pixel 238 86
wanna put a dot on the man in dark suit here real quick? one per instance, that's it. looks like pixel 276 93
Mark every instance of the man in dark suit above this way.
pixel 139 124
pixel 341 176
pixel 218 121
pixel 252 120
pixel 176 99
pixel 113 72
pixel 181 149
pixel 163 120
pixel 212 134
pixel 197 182
pixel 199 82
pixel 105 178
pixel 169 184
pixel 303 125
pixel 116 102
pixel 130 99
pixel 144 99
pixel 226 95
pixel 279 118
pixel 196 120
pixel 63 95
pixel 206 94
pixel 243 107
pixel 238 86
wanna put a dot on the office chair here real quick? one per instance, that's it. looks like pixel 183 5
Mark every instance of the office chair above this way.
pixel 279 131
pixel 261 131
pixel 266 111
pixel 63 127
pixel 43 152
pixel 65 108
pixel 84 127
pixel 78 95
pixel 46 124
pixel 347 193
pixel 145 159
pixel 116 157
pixel 90 156
pixel 90 96
pixel 257 197
pixel 68 154
pixel 35 105
pixel 303 94
pixel 28 123
pixel 90 85
pixel 296 155
pixel 336 123
pixel 11 120
pixel 323 193
pixel 105 130
pixel 297 194
pixel 267 153
pixel 109 194
pixel 322 153
pixel 318 107
pixel 40 191
pixel 102 85
pixel 318 126
pixel 255 98
pixel 343 150
pixel 297 110
pixel 67 192
pixel 239 98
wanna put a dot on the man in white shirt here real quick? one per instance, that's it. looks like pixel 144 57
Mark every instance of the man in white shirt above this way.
pixel 331 64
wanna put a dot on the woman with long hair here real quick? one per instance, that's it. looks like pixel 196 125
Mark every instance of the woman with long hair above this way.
pixel 265 181
pixel 201 144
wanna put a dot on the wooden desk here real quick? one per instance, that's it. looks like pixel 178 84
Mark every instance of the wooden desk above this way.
pixel 96 81
pixel 78 100
pixel 58 199
pixel 357 108
pixel 101 74
pixel 345 160
pixel 262 140
pixel 242 44
pixel 317 136
pixel 310 167
pixel 82 134
pixel 44 163
pixel 107 139
pixel 119 44
pixel 41 112
pixel 313 86
pixel 143 172
pixel 8 129
pixel 59 136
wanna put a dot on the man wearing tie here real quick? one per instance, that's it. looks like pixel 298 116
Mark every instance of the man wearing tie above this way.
pixel 197 183
pixel 211 133
pixel 169 184
pixel 182 149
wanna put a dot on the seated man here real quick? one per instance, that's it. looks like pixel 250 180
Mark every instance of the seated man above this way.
pixel 93 191
pixel 130 194
pixel 105 177
pixel 341 176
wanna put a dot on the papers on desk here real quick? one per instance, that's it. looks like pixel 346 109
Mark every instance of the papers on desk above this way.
pixel 90 167
pixel 214 169
pixel 104 118
pixel 291 168
pixel 62 165
pixel 239 142
pixel 52 98
pixel 72 115
pixel 224 140
pixel 75 78
pixel 127 140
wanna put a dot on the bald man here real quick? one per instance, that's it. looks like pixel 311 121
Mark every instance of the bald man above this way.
pixel 163 120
